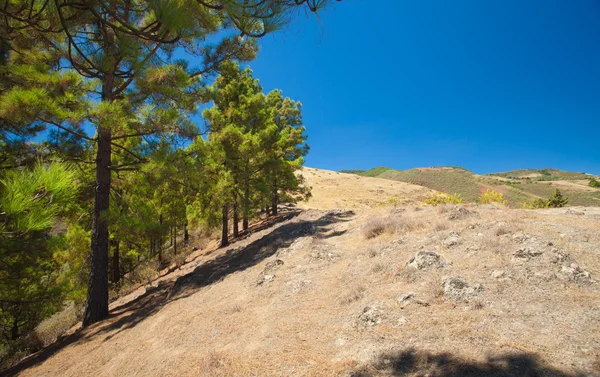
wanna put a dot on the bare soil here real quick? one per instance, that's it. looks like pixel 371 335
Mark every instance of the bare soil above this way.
pixel 355 284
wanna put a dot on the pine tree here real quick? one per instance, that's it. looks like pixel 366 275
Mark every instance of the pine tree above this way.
pixel 557 200
pixel 121 48
pixel 31 201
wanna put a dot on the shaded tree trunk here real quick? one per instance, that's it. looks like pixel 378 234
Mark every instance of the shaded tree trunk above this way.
pixel 236 221
pixel 175 239
pixel 246 205
pixel 186 234
pixel 96 307
pixel 160 239
pixel 116 267
pixel 14 331
pixel 274 198
pixel 97 296
pixel 225 230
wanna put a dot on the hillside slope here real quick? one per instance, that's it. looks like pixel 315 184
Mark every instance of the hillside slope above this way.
pixel 378 290
pixel 517 186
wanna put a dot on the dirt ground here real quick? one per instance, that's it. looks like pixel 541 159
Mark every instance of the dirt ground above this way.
pixel 355 284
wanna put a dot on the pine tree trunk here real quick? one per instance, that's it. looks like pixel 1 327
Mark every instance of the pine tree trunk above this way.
pixel 116 267
pixel 14 331
pixel 160 239
pixel 236 220
pixel 274 198
pixel 246 205
pixel 175 239
pixel 186 235
pixel 97 297
pixel 225 230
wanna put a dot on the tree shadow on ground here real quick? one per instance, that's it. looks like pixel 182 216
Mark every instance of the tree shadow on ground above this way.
pixel 412 362
pixel 285 231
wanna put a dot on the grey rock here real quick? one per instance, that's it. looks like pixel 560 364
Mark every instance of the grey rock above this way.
pixel 458 289
pixel 426 259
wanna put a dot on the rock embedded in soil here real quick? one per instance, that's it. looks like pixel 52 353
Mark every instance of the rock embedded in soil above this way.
pixel 369 317
pixel 426 259
pixel 457 288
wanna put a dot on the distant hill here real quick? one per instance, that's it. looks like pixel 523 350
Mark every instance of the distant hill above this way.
pixel 517 186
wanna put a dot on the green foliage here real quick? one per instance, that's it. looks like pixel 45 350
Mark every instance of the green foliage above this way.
pixel 30 289
pixel 375 171
pixel 594 183
pixel 557 200
pixel 491 196
pixel 535 204
pixel 437 199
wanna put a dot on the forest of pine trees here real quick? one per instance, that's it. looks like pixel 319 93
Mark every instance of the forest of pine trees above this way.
pixel 105 162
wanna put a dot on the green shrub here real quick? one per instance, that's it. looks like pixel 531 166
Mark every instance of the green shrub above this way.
pixel 535 204
pixel 444 199
pixel 594 183
pixel 491 196
pixel 557 200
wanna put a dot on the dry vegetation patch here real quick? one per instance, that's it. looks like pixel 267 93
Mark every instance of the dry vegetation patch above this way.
pixel 474 290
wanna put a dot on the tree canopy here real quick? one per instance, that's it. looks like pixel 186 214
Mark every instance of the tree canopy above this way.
pixel 101 96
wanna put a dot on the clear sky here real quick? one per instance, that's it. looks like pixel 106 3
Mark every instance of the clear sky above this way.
pixel 487 85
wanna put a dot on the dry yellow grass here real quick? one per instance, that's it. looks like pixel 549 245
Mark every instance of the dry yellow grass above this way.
pixel 339 190
pixel 341 304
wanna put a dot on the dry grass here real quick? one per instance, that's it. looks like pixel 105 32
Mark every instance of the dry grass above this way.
pixel 353 295
pixel 49 330
pixel 354 192
pixel 234 327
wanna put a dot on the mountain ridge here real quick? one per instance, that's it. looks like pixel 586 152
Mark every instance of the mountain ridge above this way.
pixel 517 186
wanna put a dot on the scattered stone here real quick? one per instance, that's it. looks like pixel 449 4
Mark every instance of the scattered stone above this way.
pixel 323 253
pixel 458 289
pixel 497 274
pixel 369 317
pixel 273 265
pixel 571 211
pixel 268 274
pixel 521 237
pixel 527 253
pixel 401 321
pixel 574 273
pixel 407 296
pixel 459 213
pixel 300 285
pixel 398 241
pixel 452 240
pixel 425 259
pixel 558 255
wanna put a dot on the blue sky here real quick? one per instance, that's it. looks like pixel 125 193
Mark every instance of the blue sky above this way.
pixel 487 85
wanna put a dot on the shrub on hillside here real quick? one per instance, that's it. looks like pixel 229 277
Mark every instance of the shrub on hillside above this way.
pixel 491 196
pixel 594 183
pixel 437 199
pixel 50 329
pixel 535 204
pixel 557 200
